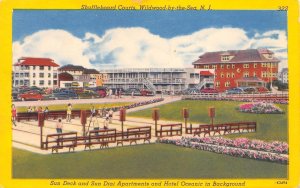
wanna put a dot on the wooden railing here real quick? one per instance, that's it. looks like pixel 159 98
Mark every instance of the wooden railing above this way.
pixel 170 130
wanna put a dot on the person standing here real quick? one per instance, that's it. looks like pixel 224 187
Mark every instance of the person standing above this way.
pixel 105 123
pixel 93 110
pixel 110 115
pixel 14 114
pixel 96 125
pixel 59 126
pixel 69 112
pixel 46 111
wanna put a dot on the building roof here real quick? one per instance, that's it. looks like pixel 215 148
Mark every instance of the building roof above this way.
pixel 70 67
pixel 64 76
pixel 33 61
pixel 91 71
pixel 206 73
pixel 238 56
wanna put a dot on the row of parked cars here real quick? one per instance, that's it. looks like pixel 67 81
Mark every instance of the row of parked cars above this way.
pixel 35 93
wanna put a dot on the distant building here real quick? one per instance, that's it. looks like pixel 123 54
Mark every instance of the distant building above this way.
pixel 283 76
pixel 159 79
pixel 235 68
pixel 82 77
pixel 40 72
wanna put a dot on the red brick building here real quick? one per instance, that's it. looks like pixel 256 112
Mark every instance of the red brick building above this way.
pixel 235 68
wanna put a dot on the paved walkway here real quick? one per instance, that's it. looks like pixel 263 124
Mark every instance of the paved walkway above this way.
pixel 26 135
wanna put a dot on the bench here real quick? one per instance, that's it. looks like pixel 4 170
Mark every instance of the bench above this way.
pixel 102 137
pixel 134 134
pixel 27 116
pixel 170 130
pixel 60 141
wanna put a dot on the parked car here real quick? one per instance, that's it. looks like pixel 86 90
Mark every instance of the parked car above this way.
pixel 262 90
pixel 191 91
pixel 250 90
pixel 64 94
pixel 235 90
pixel 136 92
pixel 101 91
pixel 146 92
pixel 30 95
pixel 208 90
pixel 88 94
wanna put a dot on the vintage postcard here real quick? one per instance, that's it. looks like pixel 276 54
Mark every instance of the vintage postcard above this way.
pixel 149 94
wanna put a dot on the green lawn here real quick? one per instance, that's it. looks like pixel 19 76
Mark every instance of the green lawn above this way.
pixel 142 161
pixel 270 126
pixel 87 106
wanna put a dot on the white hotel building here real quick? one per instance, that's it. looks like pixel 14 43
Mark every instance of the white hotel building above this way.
pixel 159 79
pixel 40 72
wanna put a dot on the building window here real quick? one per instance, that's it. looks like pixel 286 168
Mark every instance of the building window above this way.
pixel 228 66
pixel 254 74
pixel 17 75
pixel 49 82
pixel 228 75
pixel 270 56
pixel 233 66
pixel 41 82
pixel 206 66
pixel 264 65
pixel 222 75
pixel 225 58
pixel 227 84
pixel 222 66
pixel 214 66
pixel 21 75
pixel 232 75
pixel 246 74
pixel 274 64
pixel 246 66
pixel 41 67
pixel 33 82
pixel 54 82
pixel 264 74
pixel 49 75
pixel 41 75
pixel 17 82
pixel 26 75
pixel 55 75
pixel 217 84
pixel 33 75
pixel 33 67
pixel 49 68
pixel 255 65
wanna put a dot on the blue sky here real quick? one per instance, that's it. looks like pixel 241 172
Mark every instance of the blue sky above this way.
pixel 164 23
pixel 125 38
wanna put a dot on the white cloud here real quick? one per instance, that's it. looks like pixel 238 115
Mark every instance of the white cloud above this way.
pixel 58 45
pixel 138 47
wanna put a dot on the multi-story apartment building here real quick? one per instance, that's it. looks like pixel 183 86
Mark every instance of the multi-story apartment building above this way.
pixel 40 72
pixel 234 68
pixel 159 79
pixel 283 76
